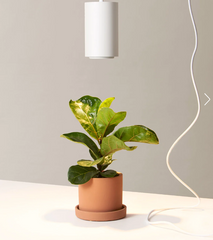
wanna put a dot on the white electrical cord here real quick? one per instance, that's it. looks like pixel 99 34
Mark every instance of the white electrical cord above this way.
pixel 156 211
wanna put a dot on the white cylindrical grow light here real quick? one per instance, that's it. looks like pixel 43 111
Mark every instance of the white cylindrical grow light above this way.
pixel 101 30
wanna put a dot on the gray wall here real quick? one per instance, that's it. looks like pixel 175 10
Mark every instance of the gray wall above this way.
pixel 43 66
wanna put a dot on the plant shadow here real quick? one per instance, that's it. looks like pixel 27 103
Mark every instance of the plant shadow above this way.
pixel 131 222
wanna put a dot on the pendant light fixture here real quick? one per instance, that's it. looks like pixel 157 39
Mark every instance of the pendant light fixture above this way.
pixel 101 30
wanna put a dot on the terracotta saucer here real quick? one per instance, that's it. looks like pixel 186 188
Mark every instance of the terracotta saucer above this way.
pixel 101 216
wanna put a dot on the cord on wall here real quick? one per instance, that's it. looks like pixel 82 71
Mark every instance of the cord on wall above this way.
pixel 157 211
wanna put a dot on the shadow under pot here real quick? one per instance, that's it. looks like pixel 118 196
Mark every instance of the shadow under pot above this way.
pixel 100 199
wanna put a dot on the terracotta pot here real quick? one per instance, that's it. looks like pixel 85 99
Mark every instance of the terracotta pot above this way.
pixel 100 199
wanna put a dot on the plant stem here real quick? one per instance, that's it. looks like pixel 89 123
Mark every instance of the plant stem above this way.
pixel 100 141
pixel 99 167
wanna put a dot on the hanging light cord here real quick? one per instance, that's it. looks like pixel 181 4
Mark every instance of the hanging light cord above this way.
pixel 157 211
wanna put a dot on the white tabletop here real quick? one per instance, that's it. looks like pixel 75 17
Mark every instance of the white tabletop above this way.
pixel 30 211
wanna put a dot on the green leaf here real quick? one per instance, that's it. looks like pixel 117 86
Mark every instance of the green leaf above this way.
pixel 107 160
pixel 109 173
pixel 85 110
pixel 89 163
pixel 84 139
pixel 103 166
pixel 106 103
pixel 112 144
pixel 93 155
pixel 137 133
pixel 79 175
pixel 107 120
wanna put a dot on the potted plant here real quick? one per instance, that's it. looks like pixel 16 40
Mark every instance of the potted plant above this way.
pixel 100 189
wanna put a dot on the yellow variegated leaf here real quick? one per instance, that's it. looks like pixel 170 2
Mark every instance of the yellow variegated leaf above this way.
pixel 85 110
pixel 106 103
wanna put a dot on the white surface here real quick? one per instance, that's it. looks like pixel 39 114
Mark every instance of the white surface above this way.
pixel 42 212
pixel 101 29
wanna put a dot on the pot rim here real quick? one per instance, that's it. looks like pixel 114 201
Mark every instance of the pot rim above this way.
pixel 107 179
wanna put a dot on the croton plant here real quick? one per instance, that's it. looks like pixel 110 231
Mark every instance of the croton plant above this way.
pixel 99 121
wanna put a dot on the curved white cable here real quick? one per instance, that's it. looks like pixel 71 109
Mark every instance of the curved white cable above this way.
pixel 156 211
